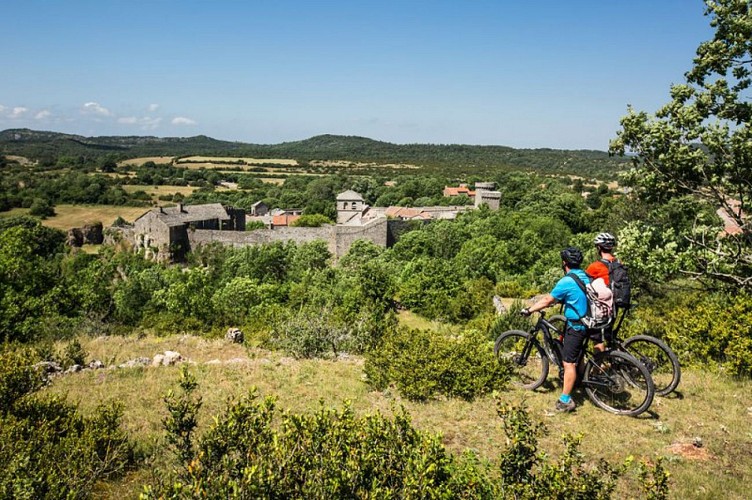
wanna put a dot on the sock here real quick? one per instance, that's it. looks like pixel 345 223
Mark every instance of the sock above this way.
pixel 565 398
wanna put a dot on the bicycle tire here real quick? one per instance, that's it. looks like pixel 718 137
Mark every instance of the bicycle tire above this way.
pixel 616 382
pixel 658 358
pixel 527 371
pixel 559 321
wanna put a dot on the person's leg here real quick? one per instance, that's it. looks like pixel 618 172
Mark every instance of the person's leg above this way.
pixel 571 349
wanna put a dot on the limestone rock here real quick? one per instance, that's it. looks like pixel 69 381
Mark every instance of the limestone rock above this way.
pixel 171 358
pixel 498 305
pixel 96 365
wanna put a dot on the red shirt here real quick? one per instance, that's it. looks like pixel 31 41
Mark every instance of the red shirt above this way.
pixel 599 270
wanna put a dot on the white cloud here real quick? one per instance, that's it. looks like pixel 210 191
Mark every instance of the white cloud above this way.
pixel 18 112
pixel 2 108
pixel 42 115
pixel 96 109
pixel 181 120
pixel 127 120
pixel 153 107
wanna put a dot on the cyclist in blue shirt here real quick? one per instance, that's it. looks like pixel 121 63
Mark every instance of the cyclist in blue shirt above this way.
pixel 574 299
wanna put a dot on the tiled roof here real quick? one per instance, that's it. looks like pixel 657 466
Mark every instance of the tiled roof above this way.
pixel 284 219
pixel 456 191
pixel 349 195
pixel 183 214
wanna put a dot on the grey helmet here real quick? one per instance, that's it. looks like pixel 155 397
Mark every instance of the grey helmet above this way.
pixel 572 256
pixel 606 241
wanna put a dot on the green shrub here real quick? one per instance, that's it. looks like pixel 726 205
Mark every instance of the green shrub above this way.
pixel 254 450
pixel 47 449
pixel 703 330
pixel 423 364
pixel 74 354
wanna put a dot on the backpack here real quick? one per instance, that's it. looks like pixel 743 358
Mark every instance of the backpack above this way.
pixel 619 282
pixel 600 303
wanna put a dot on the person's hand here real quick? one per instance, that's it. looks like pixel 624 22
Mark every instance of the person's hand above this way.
pixel 525 312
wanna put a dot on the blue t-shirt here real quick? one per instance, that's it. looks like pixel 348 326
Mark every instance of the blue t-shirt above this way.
pixel 574 299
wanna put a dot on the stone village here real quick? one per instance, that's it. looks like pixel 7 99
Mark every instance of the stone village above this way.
pixel 168 233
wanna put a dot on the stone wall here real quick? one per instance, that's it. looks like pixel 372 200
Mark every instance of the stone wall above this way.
pixel 338 238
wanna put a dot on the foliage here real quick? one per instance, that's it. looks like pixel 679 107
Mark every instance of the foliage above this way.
pixel 424 364
pixel 313 220
pixel 700 144
pixel 255 450
pixel 525 473
pixel 47 449
pixel 704 330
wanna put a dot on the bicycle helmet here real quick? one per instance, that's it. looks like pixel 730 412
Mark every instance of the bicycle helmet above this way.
pixel 572 256
pixel 605 240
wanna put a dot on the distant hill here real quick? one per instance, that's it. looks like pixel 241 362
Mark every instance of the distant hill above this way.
pixel 452 159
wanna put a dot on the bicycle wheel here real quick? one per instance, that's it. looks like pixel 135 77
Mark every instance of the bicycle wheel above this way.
pixel 559 321
pixel 524 356
pixel 618 383
pixel 658 358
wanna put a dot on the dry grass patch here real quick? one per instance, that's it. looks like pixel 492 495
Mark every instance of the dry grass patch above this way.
pixel 156 191
pixel 68 216
pixel 21 160
pixel 360 165
pixel 137 162
pixel 235 159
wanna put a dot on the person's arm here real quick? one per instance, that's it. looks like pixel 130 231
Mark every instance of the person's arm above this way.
pixel 546 301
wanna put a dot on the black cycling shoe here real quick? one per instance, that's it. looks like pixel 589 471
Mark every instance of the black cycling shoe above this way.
pixel 565 407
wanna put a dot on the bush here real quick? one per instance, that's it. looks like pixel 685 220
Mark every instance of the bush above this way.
pixel 253 450
pixel 702 329
pixel 47 449
pixel 423 364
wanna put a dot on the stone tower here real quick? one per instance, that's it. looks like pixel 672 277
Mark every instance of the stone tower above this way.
pixel 484 193
pixel 350 206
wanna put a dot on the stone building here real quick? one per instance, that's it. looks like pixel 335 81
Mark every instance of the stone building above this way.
pixel 350 207
pixel 485 194
pixel 163 233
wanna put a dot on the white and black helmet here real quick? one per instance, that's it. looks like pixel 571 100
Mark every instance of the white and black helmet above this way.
pixel 605 241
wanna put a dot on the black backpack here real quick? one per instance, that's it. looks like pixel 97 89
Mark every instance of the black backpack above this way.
pixel 618 280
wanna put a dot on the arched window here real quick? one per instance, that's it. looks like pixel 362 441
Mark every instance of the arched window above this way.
pixel 353 205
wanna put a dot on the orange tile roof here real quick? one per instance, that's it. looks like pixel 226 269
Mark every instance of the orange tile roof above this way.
pixel 284 219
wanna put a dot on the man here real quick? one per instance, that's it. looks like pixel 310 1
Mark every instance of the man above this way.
pixel 568 292
pixel 604 245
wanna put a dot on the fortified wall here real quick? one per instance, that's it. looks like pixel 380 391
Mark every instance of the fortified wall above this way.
pixel 339 239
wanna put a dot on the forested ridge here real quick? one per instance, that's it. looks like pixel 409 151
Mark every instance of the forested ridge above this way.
pixel 451 158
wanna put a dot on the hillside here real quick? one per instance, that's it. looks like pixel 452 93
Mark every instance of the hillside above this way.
pixel 454 159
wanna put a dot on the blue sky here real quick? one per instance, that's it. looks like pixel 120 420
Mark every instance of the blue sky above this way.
pixel 523 74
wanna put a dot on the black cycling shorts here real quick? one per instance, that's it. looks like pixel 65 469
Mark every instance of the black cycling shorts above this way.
pixel 574 345
pixel 599 336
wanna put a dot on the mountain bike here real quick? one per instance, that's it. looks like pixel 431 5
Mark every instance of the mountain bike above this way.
pixel 613 380
pixel 656 355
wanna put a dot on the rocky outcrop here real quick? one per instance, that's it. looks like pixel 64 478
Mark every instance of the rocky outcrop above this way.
pixel 90 234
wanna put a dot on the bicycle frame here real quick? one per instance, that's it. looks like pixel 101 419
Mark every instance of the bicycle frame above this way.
pixel 552 348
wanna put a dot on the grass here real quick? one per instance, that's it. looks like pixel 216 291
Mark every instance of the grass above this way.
pixel 709 406
pixel 68 216
pixel 247 161
pixel 137 162
pixel 156 191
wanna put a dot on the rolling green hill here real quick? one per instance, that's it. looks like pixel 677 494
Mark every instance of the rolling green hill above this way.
pixel 452 159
